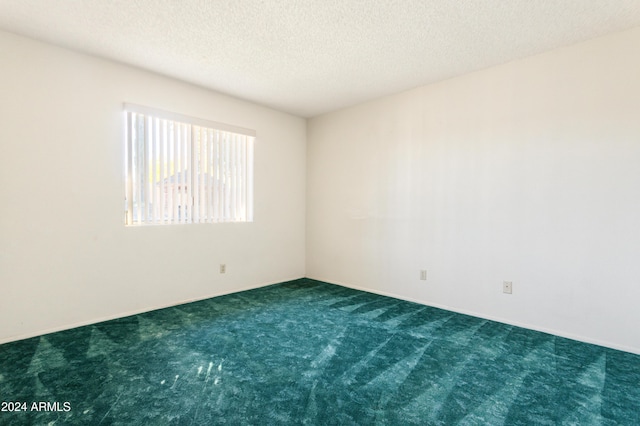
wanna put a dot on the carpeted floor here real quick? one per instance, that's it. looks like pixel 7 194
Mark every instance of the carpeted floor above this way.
pixel 307 352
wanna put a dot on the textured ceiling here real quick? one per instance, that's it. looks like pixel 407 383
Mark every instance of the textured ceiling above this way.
pixel 308 57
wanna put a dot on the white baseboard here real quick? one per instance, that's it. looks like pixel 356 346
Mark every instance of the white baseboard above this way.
pixel 130 313
pixel 368 290
pixel 554 332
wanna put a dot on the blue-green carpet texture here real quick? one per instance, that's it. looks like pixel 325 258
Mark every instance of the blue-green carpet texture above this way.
pixel 307 352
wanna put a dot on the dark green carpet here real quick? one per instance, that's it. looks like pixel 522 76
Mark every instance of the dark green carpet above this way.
pixel 306 352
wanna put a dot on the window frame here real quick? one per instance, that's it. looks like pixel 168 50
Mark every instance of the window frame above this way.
pixel 215 169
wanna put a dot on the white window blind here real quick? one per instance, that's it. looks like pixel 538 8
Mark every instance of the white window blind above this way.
pixel 185 170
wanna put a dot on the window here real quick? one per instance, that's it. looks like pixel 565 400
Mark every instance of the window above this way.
pixel 185 170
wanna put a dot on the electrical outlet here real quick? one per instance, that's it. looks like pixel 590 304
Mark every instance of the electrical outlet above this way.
pixel 223 268
pixel 423 274
pixel 507 287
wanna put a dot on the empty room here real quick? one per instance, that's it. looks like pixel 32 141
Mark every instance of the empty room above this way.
pixel 320 212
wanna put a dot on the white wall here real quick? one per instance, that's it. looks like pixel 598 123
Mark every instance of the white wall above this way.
pixel 66 257
pixel 528 172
